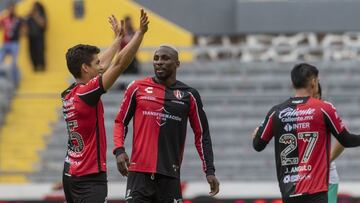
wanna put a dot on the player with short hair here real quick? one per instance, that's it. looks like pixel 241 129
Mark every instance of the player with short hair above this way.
pixel 301 127
pixel 160 107
pixel 84 176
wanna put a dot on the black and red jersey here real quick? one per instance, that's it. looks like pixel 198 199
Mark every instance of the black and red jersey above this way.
pixel 160 116
pixel 301 127
pixel 84 115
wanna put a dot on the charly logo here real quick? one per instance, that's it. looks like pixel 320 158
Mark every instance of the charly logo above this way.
pixel 149 90
pixel 76 142
pixel 178 94
pixel 290 112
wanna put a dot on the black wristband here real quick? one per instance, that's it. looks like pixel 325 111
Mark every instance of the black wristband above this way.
pixel 119 151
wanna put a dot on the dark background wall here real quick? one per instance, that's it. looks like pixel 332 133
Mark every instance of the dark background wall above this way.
pixel 248 16
pixel 197 16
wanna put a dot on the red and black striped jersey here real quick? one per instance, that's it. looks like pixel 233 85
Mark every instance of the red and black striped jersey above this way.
pixel 302 127
pixel 160 116
pixel 84 115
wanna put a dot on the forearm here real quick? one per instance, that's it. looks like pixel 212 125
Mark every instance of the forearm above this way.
pixel 122 60
pixel 128 53
pixel 259 144
pixel 347 139
pixel 336 150
pixel 107 56
pixel 208 155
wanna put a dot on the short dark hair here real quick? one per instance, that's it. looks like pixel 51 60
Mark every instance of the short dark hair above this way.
pixel 79 54
pixel 302 73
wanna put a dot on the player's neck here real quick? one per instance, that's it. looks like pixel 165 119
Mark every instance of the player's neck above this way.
pixel 167 83
pixel 303 92
pixel 82 80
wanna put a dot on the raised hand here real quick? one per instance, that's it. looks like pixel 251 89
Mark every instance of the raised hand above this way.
pixel 119 29
pixel 144 21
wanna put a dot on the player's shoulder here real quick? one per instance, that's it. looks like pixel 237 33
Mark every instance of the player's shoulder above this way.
pixel 282 105
pixel 326 105
pixel 139 82
pixel 185 87
pixel 181 85
pixel 68 90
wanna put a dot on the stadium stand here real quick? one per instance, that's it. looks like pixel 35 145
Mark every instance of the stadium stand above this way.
pixel 281 48
pixel 6 91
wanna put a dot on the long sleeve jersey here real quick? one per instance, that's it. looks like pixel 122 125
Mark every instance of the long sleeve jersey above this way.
pixel 84 115
pixel 160 116
pixel 302 127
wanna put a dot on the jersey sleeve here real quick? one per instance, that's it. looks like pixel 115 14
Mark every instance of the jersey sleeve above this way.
pixel 265 132
pixel 125 114
pixel 337 128
pixel 200 126
pixel 91 92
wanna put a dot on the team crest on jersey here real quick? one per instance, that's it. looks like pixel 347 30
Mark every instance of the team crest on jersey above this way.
pixel 178 94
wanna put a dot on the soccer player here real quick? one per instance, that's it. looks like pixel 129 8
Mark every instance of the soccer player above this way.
pixel 302 126
pixel 84 176
pixel 336 150
pixel 160 107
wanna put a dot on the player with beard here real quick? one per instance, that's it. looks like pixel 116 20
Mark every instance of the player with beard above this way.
pixel 160 107
pixel 302 126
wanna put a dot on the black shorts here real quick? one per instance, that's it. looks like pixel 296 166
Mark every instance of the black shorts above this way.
pixel 154 188
pixel 320 197
pixel 88 188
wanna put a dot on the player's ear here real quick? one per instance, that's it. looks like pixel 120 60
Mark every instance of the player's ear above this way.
pixel 177 64
pixel 314 83
pixel 84 68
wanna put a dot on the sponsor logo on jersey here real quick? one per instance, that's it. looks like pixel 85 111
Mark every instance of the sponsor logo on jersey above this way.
pixel 292 115
pixel 148 98
pixel 162 115
pixel 289 127
pixel 290 112
pixel 68 102
pixel 178 94
pixel 295 178
pixel 149 90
